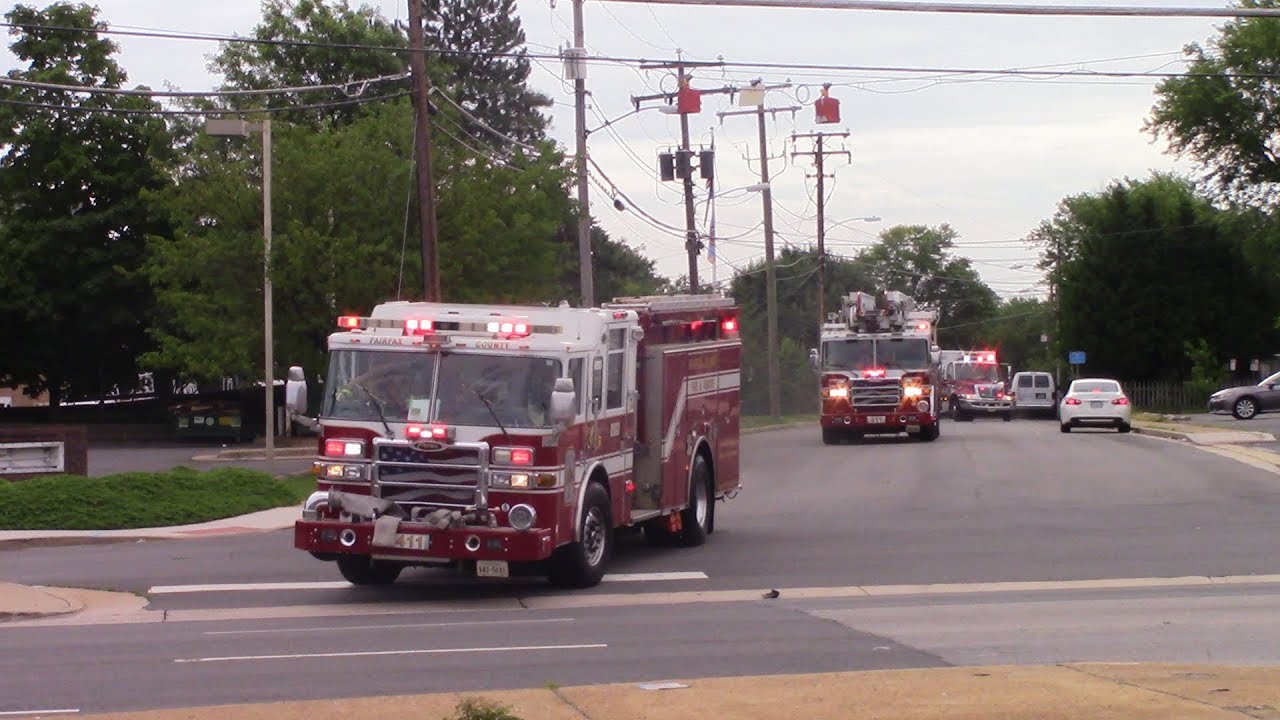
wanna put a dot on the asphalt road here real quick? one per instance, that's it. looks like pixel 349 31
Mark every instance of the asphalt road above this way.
pixel 989 501
pixel 177 664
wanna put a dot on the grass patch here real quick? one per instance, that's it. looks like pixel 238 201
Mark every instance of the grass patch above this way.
pixel 481 709
pixel 1157 420
pixel 180 496
pixel 757 421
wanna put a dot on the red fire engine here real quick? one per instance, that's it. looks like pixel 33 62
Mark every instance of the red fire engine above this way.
pixel 975 384
pixel 877 369
pixel 480 437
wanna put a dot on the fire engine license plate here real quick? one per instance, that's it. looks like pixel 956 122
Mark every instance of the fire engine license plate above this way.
pixel 406 541
pixel 492 568
pixel 875 420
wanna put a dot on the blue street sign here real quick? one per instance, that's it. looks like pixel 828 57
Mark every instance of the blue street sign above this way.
pixel 1075 357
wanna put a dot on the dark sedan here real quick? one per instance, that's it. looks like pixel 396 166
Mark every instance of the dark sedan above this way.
pixel 1247 401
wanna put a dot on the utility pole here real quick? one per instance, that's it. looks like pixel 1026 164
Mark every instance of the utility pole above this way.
pixel 818 154
pixel 422 152
pixel 690 213
pixel 770 268
pixel 579 71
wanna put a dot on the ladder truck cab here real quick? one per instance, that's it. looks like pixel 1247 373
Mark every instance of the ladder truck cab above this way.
pixel 486 438
pixel 877 369
pixel 975 384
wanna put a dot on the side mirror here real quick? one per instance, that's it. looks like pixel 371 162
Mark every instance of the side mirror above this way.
pixel 813 358
pixel 295 398
pixel 564 402
pixel 935 356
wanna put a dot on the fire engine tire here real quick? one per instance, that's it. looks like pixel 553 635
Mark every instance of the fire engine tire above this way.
pixel 361 570
pixel 1008 417
pixel 695 520
pixel 929 434
pixel 831 436
pixel 582 564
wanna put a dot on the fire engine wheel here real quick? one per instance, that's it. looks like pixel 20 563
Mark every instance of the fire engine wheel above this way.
pixel 695 520
pixel 581 564
pixel 928 434
pixel 361 570
pixel 831 436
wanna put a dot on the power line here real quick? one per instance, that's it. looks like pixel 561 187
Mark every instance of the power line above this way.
pixel 982 8
pixel 634 61
pixel 92 90
pixel 199 113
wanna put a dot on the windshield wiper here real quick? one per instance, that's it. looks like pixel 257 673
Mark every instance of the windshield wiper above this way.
pixel 494 413
pixel 377 405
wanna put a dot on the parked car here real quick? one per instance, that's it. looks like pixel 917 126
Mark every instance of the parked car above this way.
pixel 1095 402
pixel 1247 401
pixel 1033 391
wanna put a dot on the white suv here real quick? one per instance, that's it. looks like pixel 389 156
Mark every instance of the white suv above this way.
pixel 1033 391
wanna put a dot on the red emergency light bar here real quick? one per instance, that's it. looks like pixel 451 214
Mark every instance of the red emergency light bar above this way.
pixel 874 372
pixel 349 321
pixel 923 325
pixel 433 432
pixel 729 325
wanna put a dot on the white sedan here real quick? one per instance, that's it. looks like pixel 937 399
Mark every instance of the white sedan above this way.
pixel 1097 402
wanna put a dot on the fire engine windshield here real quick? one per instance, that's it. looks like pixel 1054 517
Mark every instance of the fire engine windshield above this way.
pixel 517 387
pixel 980 372
pixel 362 382
pixel 892 354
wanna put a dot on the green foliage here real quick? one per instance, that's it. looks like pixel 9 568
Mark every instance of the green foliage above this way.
pixel 1206 367
pixel 1146 266
pixel 75 226
pixel 483 42
pixel 1015 333
pixel 1225 111
pixel 309 29
pixel 180 496
pixel 481 709
pixel 617 269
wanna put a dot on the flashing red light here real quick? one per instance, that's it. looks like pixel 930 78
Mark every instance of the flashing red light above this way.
pixel 1071 401
pixel 1120 401
pixel 922 326
pixel 730 325
pixel 349 321
pixel 413 431
pixel 696 324
pixel 343 448
pixel 874 372
pixel 521 456
pixel 631 487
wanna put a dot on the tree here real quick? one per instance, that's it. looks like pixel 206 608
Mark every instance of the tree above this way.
pixel 1015 331
pixel 1225 111
pixel 1134 284
pixel 918 260
pixel 314 43
pixel 483 42
pixel 73 169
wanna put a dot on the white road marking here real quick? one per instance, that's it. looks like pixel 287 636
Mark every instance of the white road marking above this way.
pixel 373 653
pixel 343 585
pixel 652 577
pixel 387 627
pixel 15 713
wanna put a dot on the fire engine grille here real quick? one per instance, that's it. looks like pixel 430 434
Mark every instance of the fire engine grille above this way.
pixel 877 395
pixel 987 392
pixel 448 478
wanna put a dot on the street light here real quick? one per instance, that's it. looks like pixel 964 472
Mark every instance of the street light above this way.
pixel 242 128
pixel 711 196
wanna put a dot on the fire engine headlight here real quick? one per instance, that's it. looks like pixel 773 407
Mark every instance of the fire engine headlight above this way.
pixel 342 472
pixel 922 406
pixel 522 517
pixel 838 392
pixel 968 396
pixel 912 391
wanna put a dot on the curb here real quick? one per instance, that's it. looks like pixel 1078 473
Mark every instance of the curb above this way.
pixel 782 426
pixel 71 604
pixel 1161 432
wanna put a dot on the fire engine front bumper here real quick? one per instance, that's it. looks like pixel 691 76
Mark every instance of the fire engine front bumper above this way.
pixel 980 406
pixel 872 422
pixel 421 543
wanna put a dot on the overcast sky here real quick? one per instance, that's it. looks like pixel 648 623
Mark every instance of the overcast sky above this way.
pixel 991 157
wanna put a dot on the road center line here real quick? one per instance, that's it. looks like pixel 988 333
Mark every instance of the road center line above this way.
pixel 374 653
pixel 387 627
pixel 344 585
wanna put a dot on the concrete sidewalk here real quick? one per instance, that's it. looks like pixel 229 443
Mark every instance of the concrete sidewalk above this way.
pixel 1174 427
pixel 262 521
pixel 1093 690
